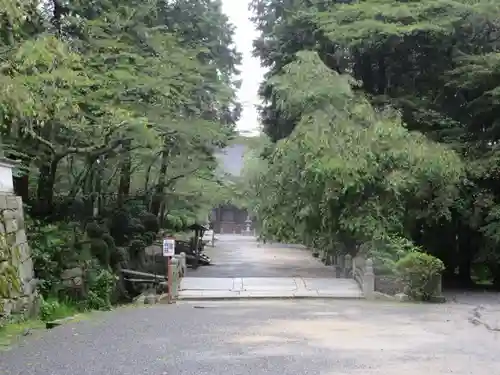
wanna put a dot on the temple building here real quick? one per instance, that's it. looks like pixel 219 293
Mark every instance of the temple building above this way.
pixel 229 218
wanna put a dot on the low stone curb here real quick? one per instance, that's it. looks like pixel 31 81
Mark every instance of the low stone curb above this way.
pixel 401 297
pixel 379 296
pixel 264 297
pixel 60 322
pixel 163 299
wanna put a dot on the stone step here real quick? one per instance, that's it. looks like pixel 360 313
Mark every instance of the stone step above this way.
pixel 195 288
pixel 230 295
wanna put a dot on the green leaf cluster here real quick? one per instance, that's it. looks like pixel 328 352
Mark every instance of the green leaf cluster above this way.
pixel 430 66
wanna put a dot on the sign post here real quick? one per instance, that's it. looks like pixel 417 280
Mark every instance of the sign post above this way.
pixel 169 252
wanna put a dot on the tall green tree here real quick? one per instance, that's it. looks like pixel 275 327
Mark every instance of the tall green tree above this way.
pixel 435 62
pixel 101 88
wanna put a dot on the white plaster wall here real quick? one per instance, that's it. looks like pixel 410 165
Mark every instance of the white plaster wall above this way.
pixel 6 180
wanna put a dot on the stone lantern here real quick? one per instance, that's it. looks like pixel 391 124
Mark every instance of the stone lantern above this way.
pixel 248 225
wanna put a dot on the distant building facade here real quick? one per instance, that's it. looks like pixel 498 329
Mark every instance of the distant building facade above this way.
pixel 229 218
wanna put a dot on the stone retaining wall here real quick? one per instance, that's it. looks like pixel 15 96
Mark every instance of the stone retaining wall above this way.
pixel 12 230
pixel 388 284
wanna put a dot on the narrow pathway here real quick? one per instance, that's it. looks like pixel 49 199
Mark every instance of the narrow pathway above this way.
pixel 244 269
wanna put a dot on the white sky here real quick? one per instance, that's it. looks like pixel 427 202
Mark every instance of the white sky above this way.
pixel 251 71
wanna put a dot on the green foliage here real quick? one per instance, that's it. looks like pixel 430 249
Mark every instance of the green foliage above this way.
pixel 15 328
pixel 101 284
pixel 54 248
pixel 53 309
pixel 115 113
pixel 128 89
pixel 150 222
pixel 348 173
pixel 414 76
pixel 94 230
pixel 420 273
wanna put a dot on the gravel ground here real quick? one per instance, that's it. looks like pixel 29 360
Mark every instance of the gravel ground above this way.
pixel 264 337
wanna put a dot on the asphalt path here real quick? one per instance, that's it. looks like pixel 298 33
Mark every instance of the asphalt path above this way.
pixel 242 256
pixel 263 337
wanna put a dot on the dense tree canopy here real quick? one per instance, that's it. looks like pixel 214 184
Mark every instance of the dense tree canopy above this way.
pixel 108 100
pixel 115 110
pixel 384 115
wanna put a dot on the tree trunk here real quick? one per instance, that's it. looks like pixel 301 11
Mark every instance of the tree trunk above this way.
pixel 160 187
pixel 88 187
pixel 157 205
pixel 125 175
pixel 97 193
pixel 467 243
pixel 382 75
pixel 495 272
pixel 148 176
pixel 45 188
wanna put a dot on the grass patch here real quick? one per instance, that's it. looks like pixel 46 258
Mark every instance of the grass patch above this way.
pixel 52 309
pixel 18 327
pixel 15 330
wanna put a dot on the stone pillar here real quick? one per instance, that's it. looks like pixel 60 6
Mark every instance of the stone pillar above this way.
pixel 182 259
pixel 369 280
pixel 321 255
pixel 176 277
pixel 439 284
pixel 335 264
pixel 348 265
pixel 340 265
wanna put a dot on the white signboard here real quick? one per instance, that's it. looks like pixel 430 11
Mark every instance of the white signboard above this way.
pixel 168 247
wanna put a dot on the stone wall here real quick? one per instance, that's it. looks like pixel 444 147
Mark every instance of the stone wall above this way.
pixel 12 229
pixel 388 284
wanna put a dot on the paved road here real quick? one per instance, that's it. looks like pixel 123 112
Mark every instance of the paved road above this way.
pixel 242 268
pixel 264 337
pixel 241 256
pixel 203 288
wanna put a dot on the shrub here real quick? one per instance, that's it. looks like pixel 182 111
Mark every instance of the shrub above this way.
pixel 150 222
pixel 100 250
pixel 52 309
pixel 55 247
pixel 420 274
pixel 149 238
pixel 135 227
pixel 94 230
pixel 101 286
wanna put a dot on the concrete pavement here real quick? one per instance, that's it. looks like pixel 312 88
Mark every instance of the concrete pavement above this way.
pixel 243 256
pixel 193 288
pixel 243 269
